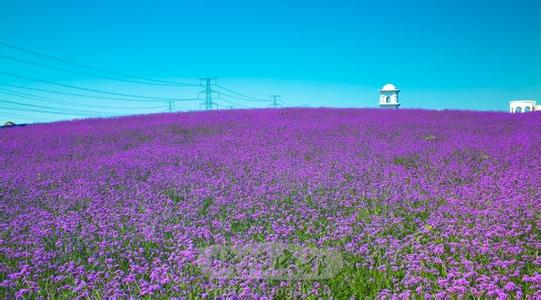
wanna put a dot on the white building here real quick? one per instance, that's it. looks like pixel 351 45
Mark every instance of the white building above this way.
pixel 520 106
pixel 388 96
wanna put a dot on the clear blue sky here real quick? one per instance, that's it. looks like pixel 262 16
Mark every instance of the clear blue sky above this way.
pixel 441 54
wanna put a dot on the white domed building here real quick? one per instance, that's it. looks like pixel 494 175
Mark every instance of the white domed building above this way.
pixel 522 106
pixel 388 96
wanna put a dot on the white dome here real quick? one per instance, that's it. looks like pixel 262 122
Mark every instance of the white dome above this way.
pixel 389 87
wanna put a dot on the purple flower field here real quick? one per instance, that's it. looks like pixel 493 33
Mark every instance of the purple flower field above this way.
pixel 413 203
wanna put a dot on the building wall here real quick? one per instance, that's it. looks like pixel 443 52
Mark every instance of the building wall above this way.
pixel 393 97
pixel 520 106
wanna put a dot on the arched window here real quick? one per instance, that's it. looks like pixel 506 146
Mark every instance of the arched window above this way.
pixel 518 109
pixel 387 99
pixel 526 109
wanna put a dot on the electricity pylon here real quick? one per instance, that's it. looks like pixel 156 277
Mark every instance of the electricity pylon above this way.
pixel 275 99
pixel 208 91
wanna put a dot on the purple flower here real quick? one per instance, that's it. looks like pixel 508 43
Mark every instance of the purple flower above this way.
pixel 128 207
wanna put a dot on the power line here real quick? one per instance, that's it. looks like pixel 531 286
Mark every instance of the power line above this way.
pixel 93 90
pixel 66 110
pixel 78 72
pixel 238 98
pixel 53 112
pixel 75 94
pixel 229 95
pixel 233 103
pixel 208 102
pixel 55 101
pixel 16 115
pixel 246 98
pixel 150 81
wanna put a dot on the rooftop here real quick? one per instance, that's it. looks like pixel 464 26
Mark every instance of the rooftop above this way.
pixel 389 87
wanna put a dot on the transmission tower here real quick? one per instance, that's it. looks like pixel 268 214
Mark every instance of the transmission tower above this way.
pixel 275 99
pixel 208 91
pixel 170 103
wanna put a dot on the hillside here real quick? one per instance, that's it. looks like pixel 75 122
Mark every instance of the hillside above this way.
pixel 406 202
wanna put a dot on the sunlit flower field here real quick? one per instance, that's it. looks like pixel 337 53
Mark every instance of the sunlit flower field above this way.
pixel 405 203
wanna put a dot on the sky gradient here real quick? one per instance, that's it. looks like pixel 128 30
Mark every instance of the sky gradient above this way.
pixel 441 54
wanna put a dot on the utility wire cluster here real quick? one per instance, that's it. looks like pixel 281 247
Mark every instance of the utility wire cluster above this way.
pixel 50 98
